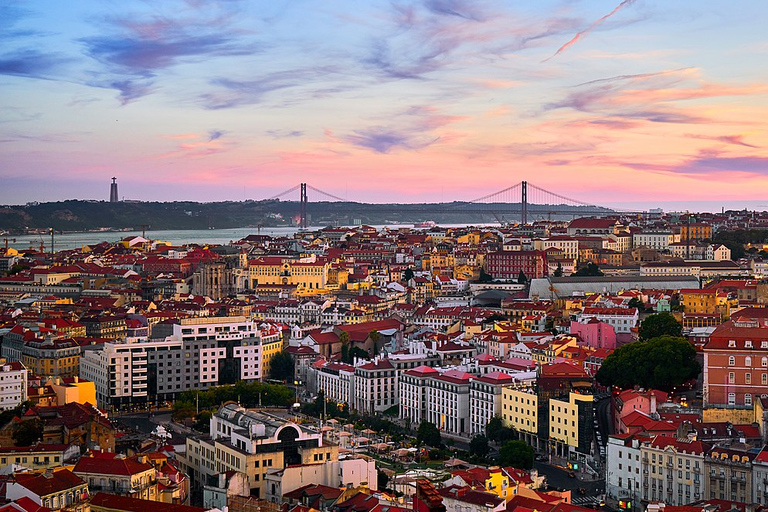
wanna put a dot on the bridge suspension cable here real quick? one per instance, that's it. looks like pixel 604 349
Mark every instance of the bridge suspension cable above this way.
pixel 496 194
pixel 285 193
pixel 337 198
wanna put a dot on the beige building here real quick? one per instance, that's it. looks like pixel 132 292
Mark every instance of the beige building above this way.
pixel 114 473
pixel 307 273
pixel 252 442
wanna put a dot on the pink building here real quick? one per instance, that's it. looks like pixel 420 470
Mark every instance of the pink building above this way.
pixel 627 405
pixel 595 333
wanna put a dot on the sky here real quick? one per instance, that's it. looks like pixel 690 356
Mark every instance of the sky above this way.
pixel 631 104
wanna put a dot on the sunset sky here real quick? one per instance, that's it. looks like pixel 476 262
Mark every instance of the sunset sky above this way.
pixel 633 104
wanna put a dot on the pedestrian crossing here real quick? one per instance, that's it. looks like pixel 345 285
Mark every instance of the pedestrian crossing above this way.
pixel 584 500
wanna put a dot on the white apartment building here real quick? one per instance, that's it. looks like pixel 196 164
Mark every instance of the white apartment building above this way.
pixel 569 246
pixel 448 402
pixel 485 399
pixel 375 387
pixel 623 320
pixel 672 470
pixel 13 384
pixel 119 369
pixel 623 478
pixel 335 381
pixel 413 394
pixel 197 353
pixel 658 240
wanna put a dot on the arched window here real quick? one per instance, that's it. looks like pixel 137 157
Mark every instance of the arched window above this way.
pixel 748 361
pixel 731 361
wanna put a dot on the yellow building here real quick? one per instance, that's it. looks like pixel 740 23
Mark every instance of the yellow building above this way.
pixel 310 273
pixel 73 390
pixel 466 272
pixel 271 345
pixel 52 356
pixel 707 302
pixel 520 409
pixel 565 418
pixel 498 483
pixel 472 238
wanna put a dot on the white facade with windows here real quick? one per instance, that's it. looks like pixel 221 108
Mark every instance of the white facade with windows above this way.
pixel 13 384
pixel 485 399
pixel 658 240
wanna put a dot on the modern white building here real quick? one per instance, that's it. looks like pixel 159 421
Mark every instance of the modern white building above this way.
pixel 13 384
pixel 375 387
pixel 335 381
pixel 413 394
pixel 485 399
pixel 196 353
pixel 448 402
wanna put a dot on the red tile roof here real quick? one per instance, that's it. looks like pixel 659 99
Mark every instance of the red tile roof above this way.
pixel 111 501
pixel 49 482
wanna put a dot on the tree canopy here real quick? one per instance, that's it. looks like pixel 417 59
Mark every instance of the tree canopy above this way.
pixel 659 363
pixel 590 269
pixel 558 271
pixel 281 366
pixel 478 446
pixel 429 435
pixel 661 324
pixel 517 454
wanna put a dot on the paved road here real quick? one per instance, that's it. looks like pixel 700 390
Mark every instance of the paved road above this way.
pixel 557 478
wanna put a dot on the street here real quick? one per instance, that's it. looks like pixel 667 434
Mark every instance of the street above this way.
pixel 557 478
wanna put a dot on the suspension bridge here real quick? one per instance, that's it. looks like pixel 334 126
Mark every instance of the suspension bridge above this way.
pixel 522 202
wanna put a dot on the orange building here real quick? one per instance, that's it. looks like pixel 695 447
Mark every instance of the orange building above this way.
pixel 695 231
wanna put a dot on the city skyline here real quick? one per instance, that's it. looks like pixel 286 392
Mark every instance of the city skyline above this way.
pixel 635 103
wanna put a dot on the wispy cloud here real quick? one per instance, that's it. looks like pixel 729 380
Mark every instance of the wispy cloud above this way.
pixel 411 130
pixel 589 29
pixel 30 63
pixel 284 134
pixel 134 50
pixel 465 9
pixel 215 134
pixel 737 140
pixel 233 93
pixel 195 146
pixel 651 96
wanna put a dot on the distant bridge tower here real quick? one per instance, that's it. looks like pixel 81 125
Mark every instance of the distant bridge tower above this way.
pixel 113 197
pixel 303 222
pixel 524 203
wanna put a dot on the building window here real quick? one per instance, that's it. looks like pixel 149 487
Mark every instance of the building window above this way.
pixel 731 378
pixel 748 399
pixel 731 398
pixel 748 361
pixel 731 361
pixel 748 378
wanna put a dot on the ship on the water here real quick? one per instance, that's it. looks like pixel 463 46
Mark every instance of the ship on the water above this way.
pixel 425 224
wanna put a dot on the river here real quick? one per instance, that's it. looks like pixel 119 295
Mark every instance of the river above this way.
pixel 67 241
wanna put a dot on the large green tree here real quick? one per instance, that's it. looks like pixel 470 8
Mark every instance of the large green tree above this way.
pixel 281 366
pixel 478 446
pixel 517 454
pixel 590 269
pixel 659 363
pixel 661 324
pixel 429 435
